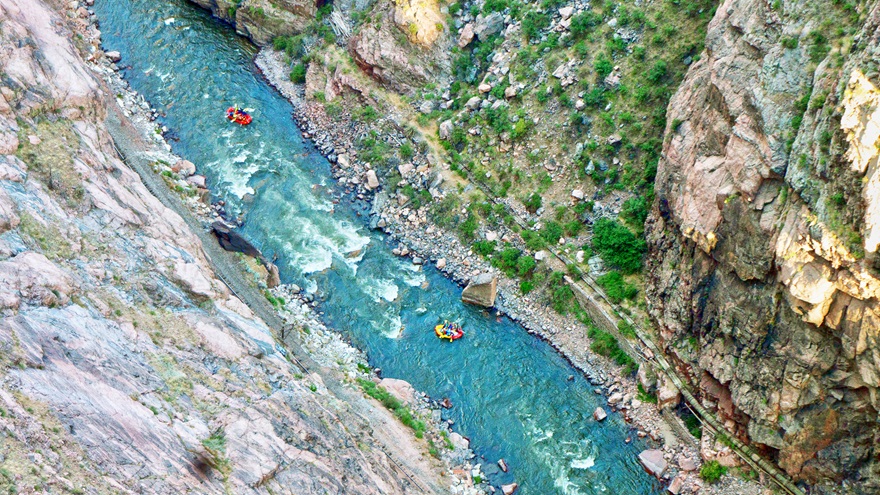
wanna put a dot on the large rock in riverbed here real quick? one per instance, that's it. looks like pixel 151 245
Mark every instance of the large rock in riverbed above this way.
pixel 481 290
pixel 653 462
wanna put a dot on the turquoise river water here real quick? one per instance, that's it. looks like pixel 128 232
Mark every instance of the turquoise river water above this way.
pixel 511 392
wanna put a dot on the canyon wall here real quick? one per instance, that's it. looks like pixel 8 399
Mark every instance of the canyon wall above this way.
pixel 763 274
pixel 126 366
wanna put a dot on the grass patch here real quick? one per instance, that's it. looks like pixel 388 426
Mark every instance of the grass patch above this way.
pixel 712 471
pixel 616 288
pixel 394 405
pixel 645 396
pixel 606 345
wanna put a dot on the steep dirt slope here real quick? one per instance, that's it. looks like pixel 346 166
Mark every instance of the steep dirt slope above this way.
pixel 763 272
pixel 125 365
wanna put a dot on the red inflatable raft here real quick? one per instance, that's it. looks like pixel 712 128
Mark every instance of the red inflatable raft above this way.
pixel 238 116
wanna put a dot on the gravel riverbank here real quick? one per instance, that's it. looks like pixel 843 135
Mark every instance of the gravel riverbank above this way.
pixel 422 240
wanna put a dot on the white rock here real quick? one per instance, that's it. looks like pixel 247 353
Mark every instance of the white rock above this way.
pixel 441 263
pixel 491 236
pixel 446 128
pixel 198 181
pixel 509 489
pixel 459 441
pixel 484 88
pixel 541 255
pixel 372 180
pixel 599 414
pixel 566 12
pixel 342 160
pixel 114 56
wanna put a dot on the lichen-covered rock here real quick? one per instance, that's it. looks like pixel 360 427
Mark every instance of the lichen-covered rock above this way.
pixel 762 273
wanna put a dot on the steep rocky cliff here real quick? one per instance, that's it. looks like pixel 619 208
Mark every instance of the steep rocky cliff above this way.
pixel 126 366
pixel 763 273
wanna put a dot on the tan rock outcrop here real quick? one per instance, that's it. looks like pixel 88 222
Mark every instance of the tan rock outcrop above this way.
pixel 762 240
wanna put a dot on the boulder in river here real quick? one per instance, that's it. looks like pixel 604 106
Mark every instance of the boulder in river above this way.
pixel 233 241
pixel 599 414
pixel 653 462
pixel 509 489
pixel 481 290
pixel 113 56
pixel 502 465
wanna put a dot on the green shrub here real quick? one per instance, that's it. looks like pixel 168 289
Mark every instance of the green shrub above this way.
pixel 603 66
pixel 533 203
pixel 645 396
pixel 406 151
pixel 298 74
pixel 616 288
pixel 484 248
pixel 533 23
pixel 583 22
pixel 712 471
pixel 618 246
pixel 469 227
pixel 819 46
pixel 573 228
pixel 635 212
pixel 366 113
pixel 606 345
pixel 551 232
pixel 525 265
pixel 657 72
pixel 626 329
pixel 561 295
pixel 526 286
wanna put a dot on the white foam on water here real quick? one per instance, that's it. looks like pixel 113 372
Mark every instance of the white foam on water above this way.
pixel 394 328
pixel 381 289
pixel 169 21
pixel 583 463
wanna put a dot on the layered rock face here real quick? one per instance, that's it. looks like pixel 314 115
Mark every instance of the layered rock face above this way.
pixel 763 276
pixel 263 20
pixel 125 365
